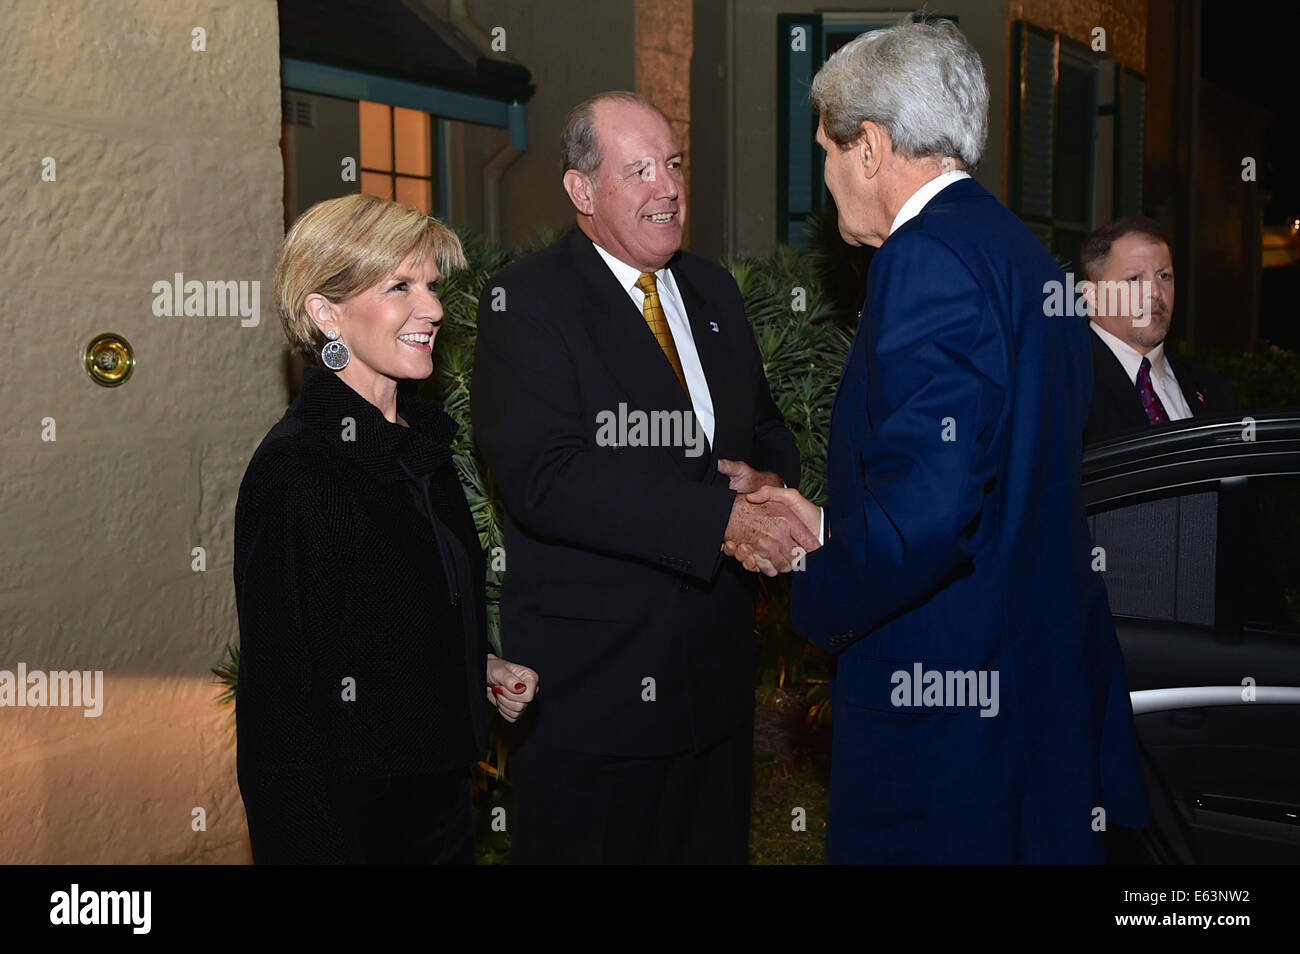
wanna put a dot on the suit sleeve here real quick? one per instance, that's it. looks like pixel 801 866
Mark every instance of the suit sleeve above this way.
pixel 931 452
pixel 526 410
pixel 285 574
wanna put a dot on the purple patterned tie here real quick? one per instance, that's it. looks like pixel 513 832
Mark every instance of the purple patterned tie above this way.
pixel 1155 410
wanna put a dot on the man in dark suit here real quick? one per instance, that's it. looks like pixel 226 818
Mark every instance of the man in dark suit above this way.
pixel 1137 382
pixel 620 402
pixel 979 708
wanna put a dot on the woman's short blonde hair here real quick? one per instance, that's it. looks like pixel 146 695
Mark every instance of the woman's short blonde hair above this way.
pixel 340 247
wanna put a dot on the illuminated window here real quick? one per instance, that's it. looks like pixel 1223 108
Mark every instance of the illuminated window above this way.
pixel 397 154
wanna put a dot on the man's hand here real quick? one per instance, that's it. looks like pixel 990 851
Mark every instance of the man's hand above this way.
pixel 770 532
pixel 808 514
pixel 745 479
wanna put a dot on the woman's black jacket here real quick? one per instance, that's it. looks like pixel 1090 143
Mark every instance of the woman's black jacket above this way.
pixel 359 580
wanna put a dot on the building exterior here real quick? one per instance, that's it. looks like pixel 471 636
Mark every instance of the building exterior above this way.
pixel 155 143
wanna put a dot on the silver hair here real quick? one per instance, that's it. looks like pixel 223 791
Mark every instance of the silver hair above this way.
pixel 923 83
pixel 580 149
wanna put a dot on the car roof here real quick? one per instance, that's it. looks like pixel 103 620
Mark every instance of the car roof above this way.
pixel 1189 455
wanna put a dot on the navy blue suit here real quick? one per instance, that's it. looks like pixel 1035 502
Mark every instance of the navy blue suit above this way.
pixel 958 542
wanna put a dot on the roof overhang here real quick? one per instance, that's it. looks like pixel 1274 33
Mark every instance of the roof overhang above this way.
pixel 382 50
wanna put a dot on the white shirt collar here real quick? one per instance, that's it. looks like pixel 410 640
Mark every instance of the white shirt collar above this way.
pixel 626 274
pixel 918 199
pixel 1129 356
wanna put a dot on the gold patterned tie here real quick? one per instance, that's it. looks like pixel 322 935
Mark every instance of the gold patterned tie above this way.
pixel 658 322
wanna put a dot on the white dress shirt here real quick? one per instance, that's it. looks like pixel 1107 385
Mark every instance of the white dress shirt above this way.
pixel 917 201
pixel 1163 381
pixel 670 300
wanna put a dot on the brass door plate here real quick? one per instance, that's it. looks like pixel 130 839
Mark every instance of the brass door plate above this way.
pixel 109 360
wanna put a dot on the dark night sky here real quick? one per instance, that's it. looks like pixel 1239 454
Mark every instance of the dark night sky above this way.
pixel 1257 57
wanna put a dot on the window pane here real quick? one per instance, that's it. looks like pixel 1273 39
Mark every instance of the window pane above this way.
pixel 1066 245
pixel 1072 175
pixel 1160 557
pixel 1270 516
pixel 416 192
pixel 377 183
pixel 376 137
pixel 1042 232
pixel 414 142
pixel 1132 133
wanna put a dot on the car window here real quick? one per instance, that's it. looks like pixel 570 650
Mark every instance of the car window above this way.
pixel 1159 557
pixel 1268 549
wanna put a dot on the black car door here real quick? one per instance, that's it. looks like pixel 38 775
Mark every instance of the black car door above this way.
pixel 1196 529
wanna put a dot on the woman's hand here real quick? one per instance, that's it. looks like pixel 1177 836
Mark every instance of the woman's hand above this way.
pixel 510 687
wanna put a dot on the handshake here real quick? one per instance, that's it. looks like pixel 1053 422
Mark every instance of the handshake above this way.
pixel 771 526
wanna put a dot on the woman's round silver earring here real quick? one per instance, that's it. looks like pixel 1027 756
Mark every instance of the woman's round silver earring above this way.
pixel 335 355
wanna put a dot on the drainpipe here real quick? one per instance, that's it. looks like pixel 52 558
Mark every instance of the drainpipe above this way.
pixel 496 167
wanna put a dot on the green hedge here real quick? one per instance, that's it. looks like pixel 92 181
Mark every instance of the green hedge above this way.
pixel 1267 378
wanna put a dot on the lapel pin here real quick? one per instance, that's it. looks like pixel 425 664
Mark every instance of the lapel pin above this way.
pixel 1200 397
pixel 713 326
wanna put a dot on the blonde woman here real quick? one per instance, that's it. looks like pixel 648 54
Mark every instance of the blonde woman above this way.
pixel 358 572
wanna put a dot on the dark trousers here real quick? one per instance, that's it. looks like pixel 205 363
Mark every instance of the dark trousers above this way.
pixel 412 820
pixel 574 808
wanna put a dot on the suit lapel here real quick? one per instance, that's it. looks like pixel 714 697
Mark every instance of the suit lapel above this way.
pixel 711 347
pixel 1111 379
pixel 860 334
pixel 624 341
pixel 1192 388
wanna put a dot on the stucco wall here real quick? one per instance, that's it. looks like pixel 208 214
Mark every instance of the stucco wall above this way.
pixel 664 49
pixel 166 160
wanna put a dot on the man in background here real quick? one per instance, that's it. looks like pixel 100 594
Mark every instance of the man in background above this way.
pixel 1137 382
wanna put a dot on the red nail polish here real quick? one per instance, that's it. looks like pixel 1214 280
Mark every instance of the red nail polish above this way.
pixel 519 687
pixel 498 690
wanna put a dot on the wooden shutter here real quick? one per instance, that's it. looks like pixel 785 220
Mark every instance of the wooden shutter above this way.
pixel 799 170
pixel 1130 140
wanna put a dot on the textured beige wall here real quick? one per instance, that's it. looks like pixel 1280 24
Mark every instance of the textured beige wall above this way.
pixel 167 161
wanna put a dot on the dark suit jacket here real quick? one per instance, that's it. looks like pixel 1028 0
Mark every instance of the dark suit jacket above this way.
pixel 1116 408
pixel 958 544
pixel 614 574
